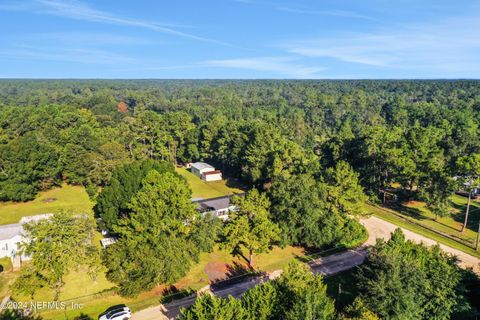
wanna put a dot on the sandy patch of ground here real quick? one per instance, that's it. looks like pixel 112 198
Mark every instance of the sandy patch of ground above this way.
pixel 378 228
pixel 216 271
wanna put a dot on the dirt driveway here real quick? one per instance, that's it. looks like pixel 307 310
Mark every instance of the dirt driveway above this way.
pixel 378 228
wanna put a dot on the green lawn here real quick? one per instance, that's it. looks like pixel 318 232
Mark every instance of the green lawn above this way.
pixel 6 276
pixel 67 197
pixel 96 297
pixel 202 189
pixel 411 224
pixel 451 224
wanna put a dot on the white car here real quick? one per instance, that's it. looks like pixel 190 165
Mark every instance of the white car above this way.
pixel 120 313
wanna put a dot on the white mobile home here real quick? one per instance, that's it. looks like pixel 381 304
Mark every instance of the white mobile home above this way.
pixel 11 235
pixel 10 238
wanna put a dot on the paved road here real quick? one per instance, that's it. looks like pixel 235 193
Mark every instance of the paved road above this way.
pixel 377 228
pixel 327 266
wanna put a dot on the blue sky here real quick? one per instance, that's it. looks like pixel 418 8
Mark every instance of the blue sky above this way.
pixel 239 39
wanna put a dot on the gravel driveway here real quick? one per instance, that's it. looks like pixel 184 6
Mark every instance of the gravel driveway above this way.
pixel 378 228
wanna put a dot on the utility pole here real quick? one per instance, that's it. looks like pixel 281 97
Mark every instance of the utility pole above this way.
pixel 478 233
pixel 468 209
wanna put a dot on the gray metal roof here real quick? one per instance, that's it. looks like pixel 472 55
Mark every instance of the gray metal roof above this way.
pixel 201 165
pixel 214 203
pixel 9 231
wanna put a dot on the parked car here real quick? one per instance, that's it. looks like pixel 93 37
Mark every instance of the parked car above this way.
pixel 121 312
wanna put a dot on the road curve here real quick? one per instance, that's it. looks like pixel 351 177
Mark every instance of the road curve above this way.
pixel 378 228
pixel 329 265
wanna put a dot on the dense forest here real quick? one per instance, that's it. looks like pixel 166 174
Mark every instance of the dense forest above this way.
pixel 415 133
pixel 309 154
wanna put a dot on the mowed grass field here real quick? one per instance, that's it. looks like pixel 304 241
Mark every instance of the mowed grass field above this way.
pixel 205 190
pixel 97 296
pixel 451 224
pixel 79 288
pixel 67 197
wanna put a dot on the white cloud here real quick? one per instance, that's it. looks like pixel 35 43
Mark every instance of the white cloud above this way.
pixel 281 65
pixel 334 13
pixel 74 9
pixel 447 47
pixel 84 56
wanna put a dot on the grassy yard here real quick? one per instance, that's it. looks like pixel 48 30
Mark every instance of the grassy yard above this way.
pixel 452 224
pixel 202 189
pixel 66 197
pixel 96 297
pixel 417 226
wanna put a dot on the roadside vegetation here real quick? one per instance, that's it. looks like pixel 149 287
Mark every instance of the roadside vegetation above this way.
pixel 399 280
pixel 399 220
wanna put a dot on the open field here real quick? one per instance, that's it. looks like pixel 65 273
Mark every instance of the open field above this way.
pixel 202 189
pixel 66 197
pixel 96 297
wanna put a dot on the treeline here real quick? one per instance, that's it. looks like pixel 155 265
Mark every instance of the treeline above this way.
pixel 413 133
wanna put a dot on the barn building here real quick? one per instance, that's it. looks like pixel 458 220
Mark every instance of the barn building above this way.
pixel 206 172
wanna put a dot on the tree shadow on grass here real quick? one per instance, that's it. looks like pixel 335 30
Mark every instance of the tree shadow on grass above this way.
pixel 236 272
pixel 239 253
pixel 414 213
pixel 418 215
pixel 173 293
pixel 236 183
pixel 473 215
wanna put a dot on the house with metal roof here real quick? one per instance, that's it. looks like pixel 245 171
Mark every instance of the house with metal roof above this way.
pixel 219 206
pixel 11 235
pixel 10 238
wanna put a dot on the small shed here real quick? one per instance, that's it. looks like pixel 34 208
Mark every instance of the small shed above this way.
pixel 212 176
pixel 199 168
pixel 206 172
pixel 107 242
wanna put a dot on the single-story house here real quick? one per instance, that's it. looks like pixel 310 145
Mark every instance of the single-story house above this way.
pixel 205 171
pixel 10 238
pixel 12 235
pixel 219 206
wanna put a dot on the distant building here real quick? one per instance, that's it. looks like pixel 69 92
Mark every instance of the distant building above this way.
pixel 206 172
